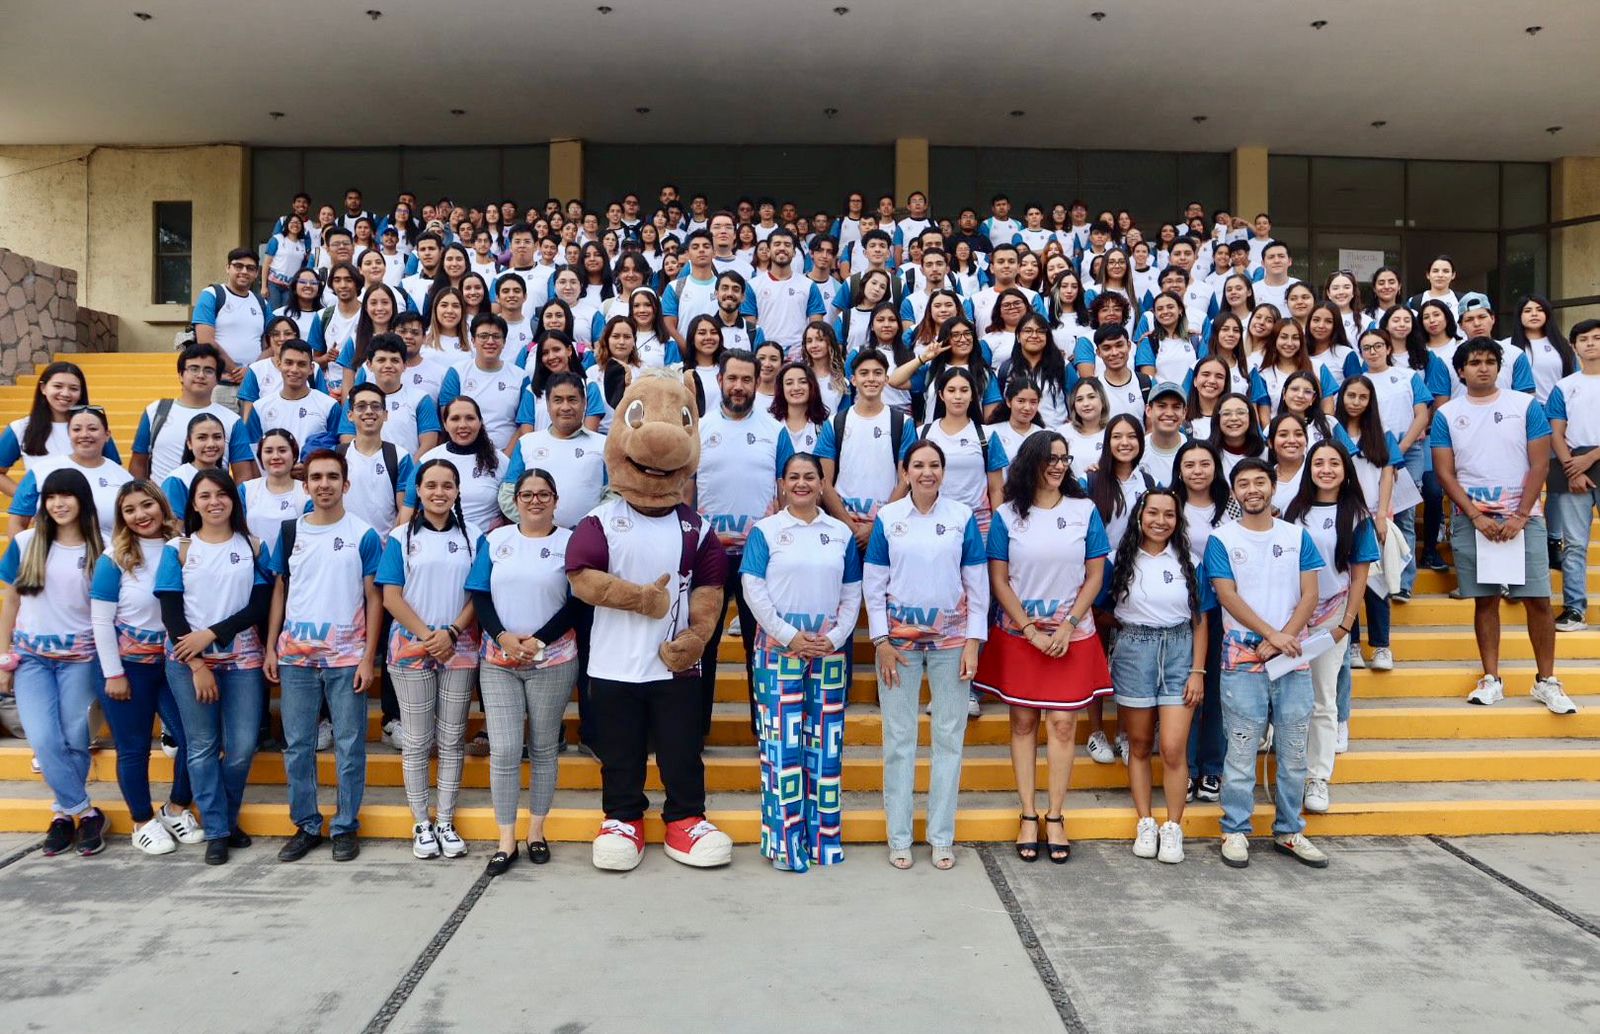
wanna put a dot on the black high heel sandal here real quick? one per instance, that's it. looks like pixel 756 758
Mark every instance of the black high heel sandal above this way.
pixel 1029 852
pixel 1059 853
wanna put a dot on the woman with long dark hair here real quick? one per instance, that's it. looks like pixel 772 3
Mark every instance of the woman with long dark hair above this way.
pixel 798 406
pixel 1331 509
pixel 60 389
pixel 1047 549
pixel 1379 465
pixel 972 461
pixel 1036 359
pixel 214 592
pixel 1207 504
pixel 47 643
pixel 1235 435
pixel 821 351
pixel 89 432
pixel 480 467
pixel 433 646
pixel 1541 340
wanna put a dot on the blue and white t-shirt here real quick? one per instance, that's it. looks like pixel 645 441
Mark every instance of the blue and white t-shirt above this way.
pixel 687 297
pixel 925 576
pixel 740 463
pixel 1575 398
pixel 411 415
pixel 810 575
pixel 1265 567
pixel 325 611
pixel 1174 359
pixel 784 307
pixel 480 489
pixel 497 393
pixel 316 413
pixel 373 487
pixel 1489 438
pixel 53 623
pixel 1333 585
pixel 1158 595
pixel 577 463
pixel 527 579
pixel 1046 556
pixel 141 634
pixel 215 580
pixel 968 462
pixel 58 443
pixel 266 511
pixel 431 568
pixel 864 461
pixel 238 323
pixel 166 451
pixel 105 481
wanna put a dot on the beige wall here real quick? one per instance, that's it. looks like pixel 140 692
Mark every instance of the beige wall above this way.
pixel 910 167
pixel 1249 169
pixel 93 209
pixel 1575 250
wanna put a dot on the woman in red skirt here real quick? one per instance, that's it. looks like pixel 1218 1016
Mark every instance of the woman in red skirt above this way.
pixel 1047 550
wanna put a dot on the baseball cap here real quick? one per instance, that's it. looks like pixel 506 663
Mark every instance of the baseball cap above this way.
pixel 1167 388
pixel 1472 300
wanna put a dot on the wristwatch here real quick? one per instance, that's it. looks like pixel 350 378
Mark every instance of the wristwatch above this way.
pixel 1073 620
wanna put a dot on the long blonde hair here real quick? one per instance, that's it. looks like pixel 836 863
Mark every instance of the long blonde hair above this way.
pixel 35 560
pixel 125 551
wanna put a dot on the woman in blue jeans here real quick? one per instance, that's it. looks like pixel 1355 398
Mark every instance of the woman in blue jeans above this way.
pixel 1207 504
pixel 214 591
pixel 926 586
pixel 131 641
pixel 47 652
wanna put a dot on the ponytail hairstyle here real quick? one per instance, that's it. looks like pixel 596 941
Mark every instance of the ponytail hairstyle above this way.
pixel 125 551
pixel 1126 558
pixel 485 457
pixel 1103 486
pixel 1351 506
pixel 277 432
pixel 197 420
pixel 454 518
pixel 40 418
pixel 1218 492
pixel 1374 441
pixel 35 561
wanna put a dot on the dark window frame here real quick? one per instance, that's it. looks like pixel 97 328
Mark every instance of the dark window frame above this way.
pixel 161 253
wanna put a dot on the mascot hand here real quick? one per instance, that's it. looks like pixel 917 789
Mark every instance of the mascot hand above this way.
pixel 683 651
pixel 653 599
pixel 600 589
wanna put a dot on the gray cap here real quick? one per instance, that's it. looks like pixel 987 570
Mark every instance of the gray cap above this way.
pixel 1161 388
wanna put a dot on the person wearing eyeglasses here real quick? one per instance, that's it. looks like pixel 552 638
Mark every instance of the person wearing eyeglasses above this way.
pixel 233 317
pixel 89 432
pixel 163 429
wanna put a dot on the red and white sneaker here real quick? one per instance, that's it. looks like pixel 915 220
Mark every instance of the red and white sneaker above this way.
pixel 619 846
pixel 695 841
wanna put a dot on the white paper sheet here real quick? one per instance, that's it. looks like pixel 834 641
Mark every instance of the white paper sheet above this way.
pixel 1312 647
pixel 1501 563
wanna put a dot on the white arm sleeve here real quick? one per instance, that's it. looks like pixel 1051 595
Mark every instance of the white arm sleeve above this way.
pixel 849 608
pixel 875 588
pixel 766 612
pixel 103 619
pixel 975 580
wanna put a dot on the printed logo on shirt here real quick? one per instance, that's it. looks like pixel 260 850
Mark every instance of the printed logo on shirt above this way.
pixel 380 469
pixel 1239 556
pixel 785 539
pixel 1327 522
pixel 1061 524
pixel 233 558
pixel 622 523
pixel 939 529
pixel 713 441
pixel 898 529
pixel 749 438
pixel 1277 551
pixel 823 538
pixel 1166 576
pixel 545 553
pixel 454 547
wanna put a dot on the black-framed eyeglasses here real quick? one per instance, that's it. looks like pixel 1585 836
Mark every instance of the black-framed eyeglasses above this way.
pixel 200 369
pixel 536 497
pixel 1057 460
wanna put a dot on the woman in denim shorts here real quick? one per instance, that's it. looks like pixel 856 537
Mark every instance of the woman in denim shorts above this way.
pixel 1160 604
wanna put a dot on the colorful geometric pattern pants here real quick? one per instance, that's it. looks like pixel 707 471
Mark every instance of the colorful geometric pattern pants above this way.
pixel 800 707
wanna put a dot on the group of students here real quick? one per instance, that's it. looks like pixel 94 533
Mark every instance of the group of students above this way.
pixel 1055 461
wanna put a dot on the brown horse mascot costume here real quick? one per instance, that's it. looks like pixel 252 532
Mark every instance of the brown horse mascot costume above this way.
pixel 654 572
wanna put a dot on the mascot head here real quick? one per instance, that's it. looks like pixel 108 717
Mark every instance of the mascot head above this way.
pixel 653 448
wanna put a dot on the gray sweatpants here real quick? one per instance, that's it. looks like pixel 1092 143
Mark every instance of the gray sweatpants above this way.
pixel 511 698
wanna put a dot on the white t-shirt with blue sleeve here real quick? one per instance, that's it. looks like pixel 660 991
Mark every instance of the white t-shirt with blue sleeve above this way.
pixel 1265 567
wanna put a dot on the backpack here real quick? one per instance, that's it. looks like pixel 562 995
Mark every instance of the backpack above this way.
pixel 897 434
pixel 391 461
pixel 163 410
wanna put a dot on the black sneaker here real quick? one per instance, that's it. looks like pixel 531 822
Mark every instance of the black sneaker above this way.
pixel 1403 596
pixel 345 847
pixel 1555 554
pixel 299 846
pixel 91 832
pixel 238 838
pixel 1571 621
pixel 59 836
pixel 1433 562
pixel 1188 794
pixel 1210 789
pixel 217 852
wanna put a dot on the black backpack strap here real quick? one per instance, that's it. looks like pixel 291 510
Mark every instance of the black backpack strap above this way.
pixel 897 431
pixel 163 410
pixel 286 535
pixel 838 440
pixel 391 457
pixel 983 443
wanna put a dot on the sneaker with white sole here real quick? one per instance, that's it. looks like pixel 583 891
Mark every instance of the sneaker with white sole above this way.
pixel 33 763
pixel 1316 799
pixel 1301 849
pixel 153 838
pixel 1382 659
pixel 1548 692
pixel 696 842
pixel 1171 850
pixel 1122 748
pixel 450 843
pixel 169 746
pixel 324 735
pixel 1100 748
pixel 1210 788
pixel 1235 850
pixel 424 841
pixel 1357 662
pixel 1341 742
pixel 974 704
pixel 184 827
pixel 1490 690
pixel 1144 838
pixel 1571 621
pixel 391 733
pixel 619 846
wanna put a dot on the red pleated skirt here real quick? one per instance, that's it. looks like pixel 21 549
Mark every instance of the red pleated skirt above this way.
pixel 1014 671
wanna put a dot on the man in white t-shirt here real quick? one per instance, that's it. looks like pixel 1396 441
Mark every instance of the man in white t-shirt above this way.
pixel 724 242
pixel 295 406
pixel 411 422
pixel 233 317
pixel 1164 415
pixel 784 302
pixel 164 427
pixel 419 279
pixel 1273 288
pixel 916 220
pixel 1491 454
pixel 1004 262
pixel 322 645
pixel 694 293
pixel 858 448
pixel 1264 572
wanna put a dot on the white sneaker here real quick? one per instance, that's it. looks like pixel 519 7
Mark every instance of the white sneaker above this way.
pixel 1300 847
pixel 1382 659
pixel 1490 690
pixel 1235 850
pixel 1122 748
pixel 450 843
pixel 424 842
pixel 1316 799
pixel 153 838
pixel 1356 660
pixel 33 763
pixel 974 702
pixel 733 627
pixel 324 735
pixel 184 827
pixel 169 746
pixel 1144 838
pixel 1342 742
pixel 1171 844
pixel 1548 692
pixel 1100 748
pixel 391 733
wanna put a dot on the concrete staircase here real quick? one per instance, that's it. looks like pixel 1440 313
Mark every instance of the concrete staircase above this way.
pixel 1421 760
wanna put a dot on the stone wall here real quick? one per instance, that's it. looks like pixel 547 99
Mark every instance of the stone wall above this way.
pixel 40 316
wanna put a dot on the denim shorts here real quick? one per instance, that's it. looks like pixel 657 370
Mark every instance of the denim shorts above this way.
pixel 1536 561
pixel 1150 666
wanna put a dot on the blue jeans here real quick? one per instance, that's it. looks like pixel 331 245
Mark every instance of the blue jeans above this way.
pixel 53 699
pixel 1205 731
pixel 899 706
pixel 1416 462
pixel 1378 614
pixel 222 741
pixel 131 721
pixel 1572 512
pixel 277 297
pixel 1246 697
pixel 300 706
